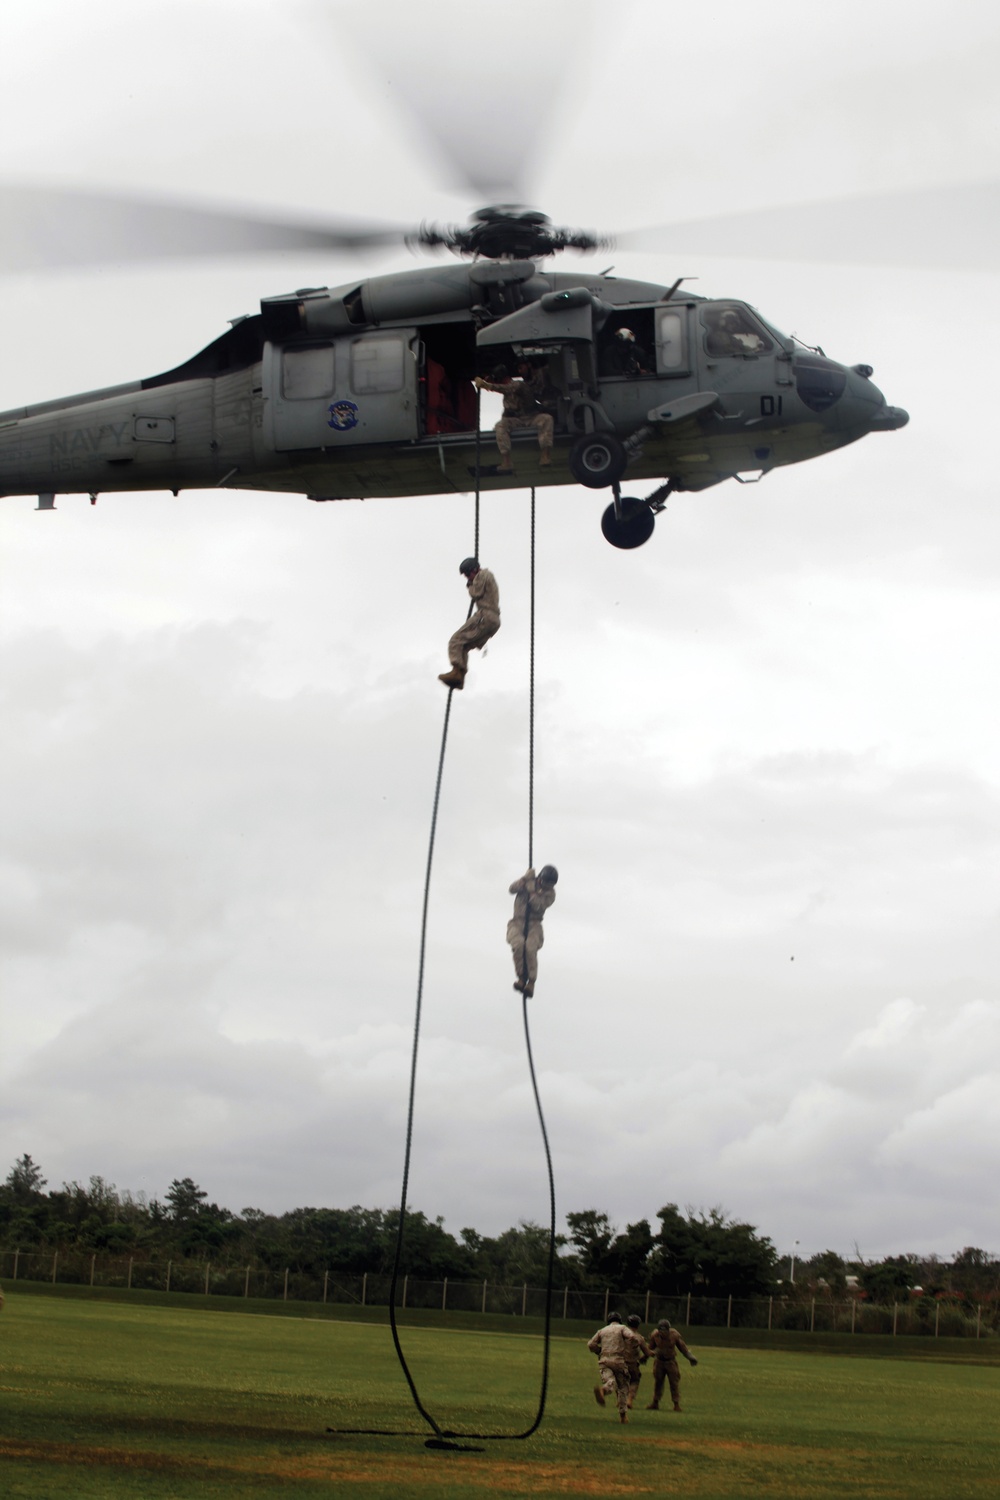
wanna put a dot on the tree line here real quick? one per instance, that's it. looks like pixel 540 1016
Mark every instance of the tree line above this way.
pixel 706 1254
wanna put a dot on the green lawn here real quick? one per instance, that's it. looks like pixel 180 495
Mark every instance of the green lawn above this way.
pixel 121 1399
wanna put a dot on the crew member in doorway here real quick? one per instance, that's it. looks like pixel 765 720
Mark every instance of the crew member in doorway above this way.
pixel 665 1343
pixel 481 626
pixel 533 895
pixel 621 355
pixel 520 409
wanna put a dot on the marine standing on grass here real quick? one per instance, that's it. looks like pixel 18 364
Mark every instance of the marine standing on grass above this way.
pixel 635 1357
pixel 665 1341
pixel 614 1345
pixel 481 626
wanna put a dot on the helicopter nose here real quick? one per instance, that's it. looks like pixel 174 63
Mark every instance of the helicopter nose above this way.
pixel 866 403
pixel 889 419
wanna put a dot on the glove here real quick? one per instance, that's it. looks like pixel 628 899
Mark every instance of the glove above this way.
pixel 692 1362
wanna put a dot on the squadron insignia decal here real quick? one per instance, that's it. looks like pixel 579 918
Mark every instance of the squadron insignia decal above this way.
pixel 343 416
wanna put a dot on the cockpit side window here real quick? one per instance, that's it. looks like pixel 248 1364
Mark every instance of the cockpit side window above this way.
pixel 732 331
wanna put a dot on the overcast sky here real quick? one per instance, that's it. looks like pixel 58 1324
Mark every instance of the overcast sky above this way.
pixel 768 743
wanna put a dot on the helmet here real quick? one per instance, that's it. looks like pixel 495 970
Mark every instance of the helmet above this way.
pixel 469 565
pixel 614 1317
pixel 549 874
pixel 626 334
pixel 499 373
pixel 633 1320
pixel 665 1324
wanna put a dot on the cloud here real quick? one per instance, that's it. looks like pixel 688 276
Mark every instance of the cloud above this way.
pixel 834 1158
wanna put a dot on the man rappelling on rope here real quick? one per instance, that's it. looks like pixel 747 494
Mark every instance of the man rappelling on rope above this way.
pixel 481 625
pixel 533 895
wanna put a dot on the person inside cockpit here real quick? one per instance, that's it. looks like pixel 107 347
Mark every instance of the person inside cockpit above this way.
pixel 730 332
pixel 622 355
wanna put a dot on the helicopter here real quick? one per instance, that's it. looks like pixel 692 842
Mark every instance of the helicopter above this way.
pixel 367 389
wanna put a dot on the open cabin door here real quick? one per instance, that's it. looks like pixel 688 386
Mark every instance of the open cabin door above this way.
pixel 335 393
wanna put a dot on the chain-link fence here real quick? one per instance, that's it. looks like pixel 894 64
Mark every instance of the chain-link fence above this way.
pixel 919 1315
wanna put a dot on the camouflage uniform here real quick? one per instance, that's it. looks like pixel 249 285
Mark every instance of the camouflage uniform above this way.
pixel 482 624
pixel 664 1343
pixel 613 1345
pixel 633 1359
pixel 520 409
pixel 531 902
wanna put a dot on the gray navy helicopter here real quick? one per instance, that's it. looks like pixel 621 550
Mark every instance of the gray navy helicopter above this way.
pixel 367 389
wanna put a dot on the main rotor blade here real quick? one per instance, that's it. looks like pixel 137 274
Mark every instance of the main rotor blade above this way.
pixel 485 88
pixel 957 227
pixel 47 227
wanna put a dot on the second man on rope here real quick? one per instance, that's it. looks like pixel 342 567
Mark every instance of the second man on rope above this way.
pixel 533 895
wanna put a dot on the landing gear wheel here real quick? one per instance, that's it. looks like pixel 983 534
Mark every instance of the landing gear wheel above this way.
pixel 632 528
pixel 597 460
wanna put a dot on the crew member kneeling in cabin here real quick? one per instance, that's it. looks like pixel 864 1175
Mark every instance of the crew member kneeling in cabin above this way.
pixel 520 409
pixel 533 895
pixel 481 626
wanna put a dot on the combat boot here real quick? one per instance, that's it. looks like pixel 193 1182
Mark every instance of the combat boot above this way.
pixel 599 1395
pixel 653 1406
pixel 676 1406
pixel 453 679
pixel 623 1416
pixel 546 459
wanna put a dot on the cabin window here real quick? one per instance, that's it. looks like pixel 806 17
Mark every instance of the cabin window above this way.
pixel 731 330
pixel 377 365
pixel 670 340
pixel 307 373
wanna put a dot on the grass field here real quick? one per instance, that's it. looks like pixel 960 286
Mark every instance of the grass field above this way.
pixel 120 1399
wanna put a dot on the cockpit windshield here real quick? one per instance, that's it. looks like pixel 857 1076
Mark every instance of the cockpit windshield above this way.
pixel 782 338
pixel 731 329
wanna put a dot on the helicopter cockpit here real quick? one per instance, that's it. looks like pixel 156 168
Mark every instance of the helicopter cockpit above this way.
pixel 730 329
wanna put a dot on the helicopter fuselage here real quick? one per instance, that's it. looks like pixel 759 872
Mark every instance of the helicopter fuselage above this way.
pixel 367 390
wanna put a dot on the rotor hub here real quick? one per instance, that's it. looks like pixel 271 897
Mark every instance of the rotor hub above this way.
pixel 507 231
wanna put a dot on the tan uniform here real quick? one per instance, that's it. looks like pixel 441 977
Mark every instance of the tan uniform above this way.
pixel 633 1360
pixel 613 1346
pixel 524 930
pixel 520 409
pixel 482 624
pixel 664 1344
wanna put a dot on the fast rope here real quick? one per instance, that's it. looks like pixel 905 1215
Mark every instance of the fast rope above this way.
pixel 440 1434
